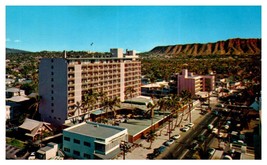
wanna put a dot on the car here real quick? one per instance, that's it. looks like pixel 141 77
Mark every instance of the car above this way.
pixel 226 126
pixel 220 135
pixel 215 130
pixel 210 126
pixel 231 151
pixel 185 129
pixel 211 151
pixel 169 142
pixel 160 149
pixel 176 137
pixel 194 145
pixel 151 156
pixel 190 125
pixel 227 157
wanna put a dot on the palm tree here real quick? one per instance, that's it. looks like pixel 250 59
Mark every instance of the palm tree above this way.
pixel 115 102
pixel 79 106
pixel 129 93
pixel 35 105
pixel 89 101
pixel 187 97
pixel 151 107
pixel 151 137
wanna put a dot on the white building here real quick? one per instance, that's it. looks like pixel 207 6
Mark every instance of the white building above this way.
pixel 64 81
pixel 89 140
pixel 47 152
pixel 11 92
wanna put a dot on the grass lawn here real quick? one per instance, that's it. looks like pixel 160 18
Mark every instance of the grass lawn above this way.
pixel 15 142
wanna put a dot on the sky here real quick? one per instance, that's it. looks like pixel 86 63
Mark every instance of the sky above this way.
pixel 140 28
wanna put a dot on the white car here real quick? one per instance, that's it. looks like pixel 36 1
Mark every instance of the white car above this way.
pixel 226 126
pixel 169 142
pixel 185 129
pixel 176 136
pixel 190 125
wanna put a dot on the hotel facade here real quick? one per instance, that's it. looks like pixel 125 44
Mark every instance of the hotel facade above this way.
pixel 64 81
pixel 194 83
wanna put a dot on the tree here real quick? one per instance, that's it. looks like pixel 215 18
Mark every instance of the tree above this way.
pixel 89 101
pixel 151 107
pixel 36 103
pixel 187 97
pixel 79 106
pixel 129 93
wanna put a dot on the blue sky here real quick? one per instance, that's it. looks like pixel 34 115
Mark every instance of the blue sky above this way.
pixel 58 28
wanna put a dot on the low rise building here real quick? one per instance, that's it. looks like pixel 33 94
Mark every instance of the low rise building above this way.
pixel 47 152
pixel 90 140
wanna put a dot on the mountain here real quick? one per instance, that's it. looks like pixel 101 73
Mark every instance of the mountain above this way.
pixel 234 46
pixel 9 50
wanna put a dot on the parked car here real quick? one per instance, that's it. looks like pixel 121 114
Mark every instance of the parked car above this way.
pixel 176 137
pixel 211 151
pixel 210 126
pixel 169 142
pixel 159 150
pixel 190 125
pixel 215 130
pixel 227 157
pixel 194 145
pixel 150 156
pixel 185 129
pixel 226 126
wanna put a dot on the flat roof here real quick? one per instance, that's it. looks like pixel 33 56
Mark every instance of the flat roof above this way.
pixel 96 130
pixel 134 126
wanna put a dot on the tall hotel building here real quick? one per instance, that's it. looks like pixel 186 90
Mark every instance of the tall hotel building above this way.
pixel 63 81
pixel 194 83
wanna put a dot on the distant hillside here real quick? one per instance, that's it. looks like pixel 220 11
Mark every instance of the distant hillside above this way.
pixel 234 46
pixel 9 50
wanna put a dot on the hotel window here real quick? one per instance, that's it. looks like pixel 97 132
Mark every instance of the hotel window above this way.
pixel 66 138
pixel 52 73
pixel 52 79
pixel 52 86
pixel 66 149
pixel 52 67
pixel 77 153
pixel 52 104
pixel 52 98
pixel 52 111
pixel 76 141
pixel 87 144
pixel 87 156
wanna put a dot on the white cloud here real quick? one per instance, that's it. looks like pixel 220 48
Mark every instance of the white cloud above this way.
pixel 17 41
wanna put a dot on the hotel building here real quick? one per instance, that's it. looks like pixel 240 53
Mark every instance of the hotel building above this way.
pixel 194 83
pixel 63 81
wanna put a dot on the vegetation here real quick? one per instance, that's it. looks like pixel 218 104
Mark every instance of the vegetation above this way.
pixel 15 142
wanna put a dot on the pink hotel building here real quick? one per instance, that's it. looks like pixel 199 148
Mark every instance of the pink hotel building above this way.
pixel 194 83
pixel 63 82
